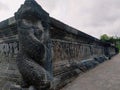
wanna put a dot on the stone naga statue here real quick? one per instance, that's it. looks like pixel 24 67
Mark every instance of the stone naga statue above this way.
pixel 33 34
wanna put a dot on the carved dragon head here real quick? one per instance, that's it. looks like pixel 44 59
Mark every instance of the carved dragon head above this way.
pixel 33 12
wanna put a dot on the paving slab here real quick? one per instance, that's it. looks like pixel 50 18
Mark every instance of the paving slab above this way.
pixel 105 76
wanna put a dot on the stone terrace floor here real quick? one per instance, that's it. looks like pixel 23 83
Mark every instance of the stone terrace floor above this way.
pixel 105 76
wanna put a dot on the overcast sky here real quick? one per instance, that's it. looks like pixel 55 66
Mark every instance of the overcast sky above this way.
pixel 95 17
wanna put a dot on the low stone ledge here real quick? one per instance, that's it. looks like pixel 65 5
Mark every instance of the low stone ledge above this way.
pixel 79 68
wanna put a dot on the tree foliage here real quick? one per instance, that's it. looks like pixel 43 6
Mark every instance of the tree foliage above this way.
pixel 104 37
pixel 111 39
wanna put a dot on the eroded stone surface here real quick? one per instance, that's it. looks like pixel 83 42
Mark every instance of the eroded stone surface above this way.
pixel 69 52
pixel 32 26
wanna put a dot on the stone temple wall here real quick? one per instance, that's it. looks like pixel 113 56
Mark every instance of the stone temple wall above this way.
pixel 72 52
pixel 8 67
pixel 72 48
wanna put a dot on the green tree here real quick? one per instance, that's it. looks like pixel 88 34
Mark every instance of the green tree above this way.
pixel 111 39
pixel 104 37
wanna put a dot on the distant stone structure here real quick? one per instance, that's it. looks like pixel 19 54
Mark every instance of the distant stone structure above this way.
pixel 49 53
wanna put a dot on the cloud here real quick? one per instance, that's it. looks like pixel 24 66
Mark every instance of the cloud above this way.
pixel 8 8
pixel 95 17
pixel 3 6
pixel 105 18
